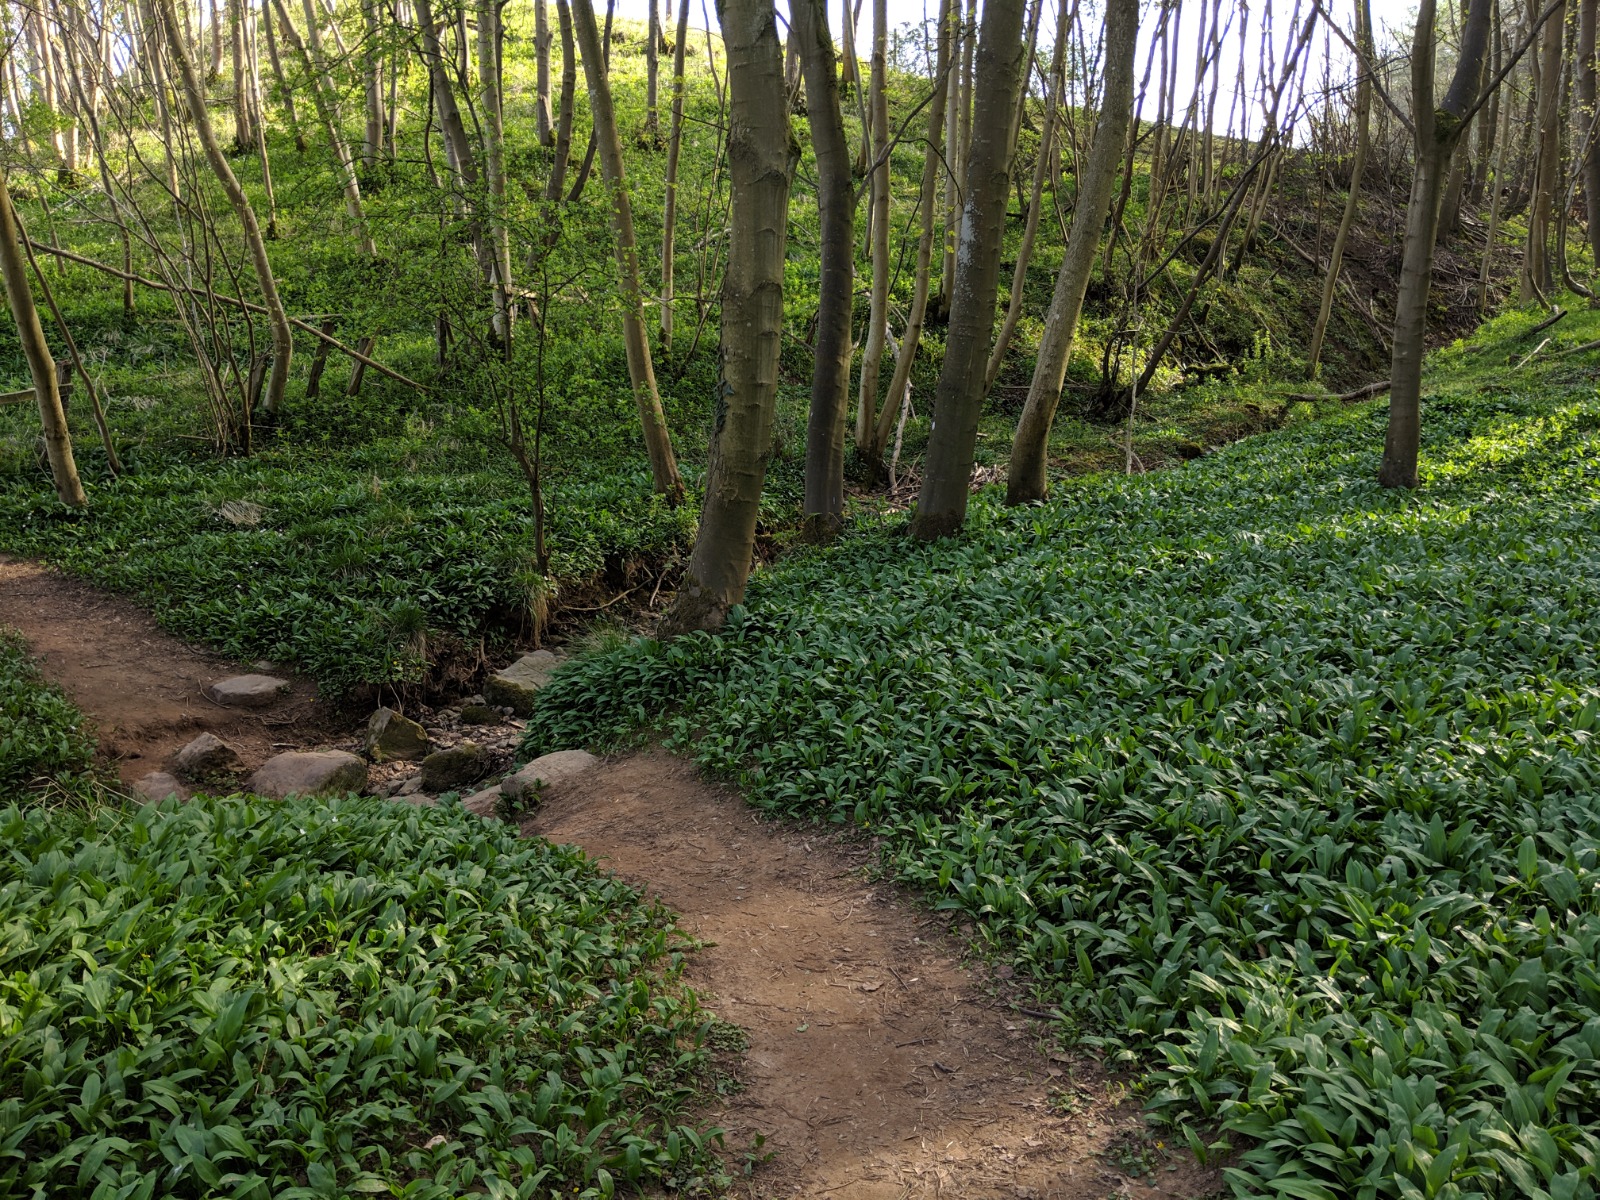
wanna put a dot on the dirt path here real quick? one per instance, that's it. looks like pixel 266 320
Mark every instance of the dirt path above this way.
pixel 141 685
pixel 877 1067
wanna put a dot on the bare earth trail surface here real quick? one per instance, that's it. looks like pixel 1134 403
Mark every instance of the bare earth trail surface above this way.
pixel 878 1066
pixel 142 686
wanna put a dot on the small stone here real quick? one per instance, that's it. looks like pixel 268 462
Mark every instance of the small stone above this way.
pixel 309 773
pixel 515 687
pixel 158 785
pixel 479 714
pixel 247 691
pixel 207 755
pixel 485 803
pixel 446 769
pixel 410 787
pixel 550 770
pixel 391 737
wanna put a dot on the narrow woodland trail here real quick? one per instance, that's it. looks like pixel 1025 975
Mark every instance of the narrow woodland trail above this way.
pixel 877 1066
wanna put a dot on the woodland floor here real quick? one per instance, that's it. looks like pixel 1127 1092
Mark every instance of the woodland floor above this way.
pixel 878 1064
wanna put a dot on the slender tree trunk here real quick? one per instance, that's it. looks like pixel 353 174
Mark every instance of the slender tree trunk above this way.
pixel 541 50
pixel 942 504
pixel 1026 478
pixel 669 223
pixel 444 98
pixel 652 81
pixel 663 465
pixel 244 131
pixel 282 341
pixel 1352 202
pixel 1588 12
pixel 285 93
pixel 569 87
pixel 1030 228
pixel 830 376
pixel 1438 127
pixel 761 155
pixel 878 315
pixel 492 122
pixel 372 82
pixel 932 166
pixel 46 387
pixel 1541 204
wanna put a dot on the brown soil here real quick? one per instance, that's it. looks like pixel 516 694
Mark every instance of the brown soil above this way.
pixel 878 1065
pixel 142 687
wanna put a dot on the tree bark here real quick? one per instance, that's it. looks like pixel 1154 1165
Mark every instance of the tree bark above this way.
pixel 1438 128
pixel 1026 478
pixel 372 83
pixel 958 401
pixel 669 221
pixel 282 340
pixel 569 87
pixel 541 50
pixel 1358 170
pixel 830 376
pixel 46 388
pixel 1588 20
pixel 663 464
pixel 761 155
pixel 1541 203
pixel 932 165
pixel 878 312
pixel 285 93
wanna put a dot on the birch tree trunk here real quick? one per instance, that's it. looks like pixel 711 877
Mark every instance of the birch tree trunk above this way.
pixel 1438 128
pixel 761 156
pixel 42 368
pixel 282 341
pixel 830 375
pixel 947 471
pixel 1026 478
pixel 663 464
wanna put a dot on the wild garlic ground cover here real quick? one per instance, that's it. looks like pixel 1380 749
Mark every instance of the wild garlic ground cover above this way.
pixel 44 743
pixel 1282 786
pixel 331 998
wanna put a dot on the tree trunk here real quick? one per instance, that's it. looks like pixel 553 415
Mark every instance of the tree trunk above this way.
pixel 285 93
pixel 46 388
pixel 761 155
pixel 663 465
pixel 282 341
pixel 878 314
pixel 830 375
pixel 1352 202
pixel 932 165
pixel 958 401
pixel 1026 478
pixel 1030 229
pixel 492 123
pixel 372 83
pixel 244 127
pixel 541 50
pixel 1588 12
pixel 1438 128
pixel 1541 203
pixel 444 97
pixel 669 223
pixel 652 81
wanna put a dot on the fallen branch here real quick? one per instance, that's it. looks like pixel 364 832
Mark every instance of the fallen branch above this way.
pixel 1361 393
pixel 1527 358
pixel 1594 345
pixel 246 305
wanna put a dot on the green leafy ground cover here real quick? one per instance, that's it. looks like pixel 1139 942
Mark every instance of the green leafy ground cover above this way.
pixel 1281 785
pixel 331 998
pixel 44 744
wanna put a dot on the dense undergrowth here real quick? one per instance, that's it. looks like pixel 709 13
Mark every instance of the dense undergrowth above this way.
pixel 320 997
pixel 1280 784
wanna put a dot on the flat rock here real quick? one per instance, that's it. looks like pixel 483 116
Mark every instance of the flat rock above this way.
pixel 309 773
pixel 548 771
pixel 446 769
pixel 247 691
pixel 516 686
pixel 485 803
pixel 410 787
pixel 391 737
pixel 158 785
pixel 207 755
